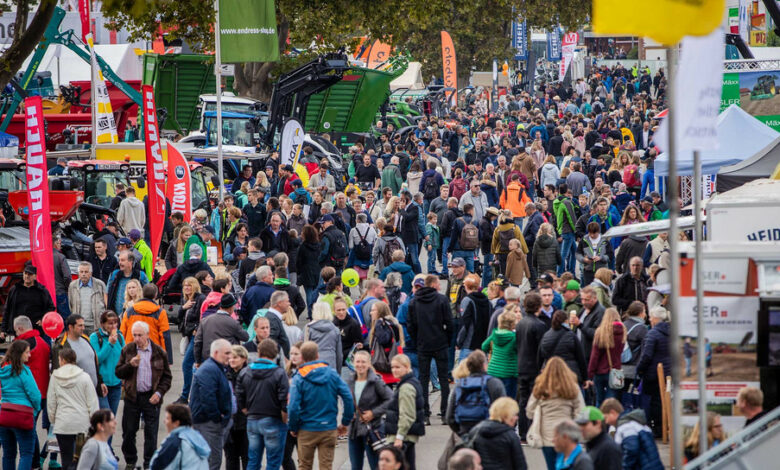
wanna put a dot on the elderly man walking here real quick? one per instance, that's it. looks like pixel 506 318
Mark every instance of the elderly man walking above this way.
pixel 87 297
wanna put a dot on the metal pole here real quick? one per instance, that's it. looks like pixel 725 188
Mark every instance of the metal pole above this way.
pixel 93 100
pixel 700 359
pixel 218 72
pixel 674 272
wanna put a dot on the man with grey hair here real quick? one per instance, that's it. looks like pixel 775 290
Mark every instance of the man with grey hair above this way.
pixel 391 175
pixel 211 400
pixel 220 325
pixel 87 297
pixel 566 443
pixel 257 295
pixel 279 303
pixel 146 376
pixel 512 295
pixel 465 459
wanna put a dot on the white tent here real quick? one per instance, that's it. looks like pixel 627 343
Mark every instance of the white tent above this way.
pixel 411 78
pixel 65 66
pixel 740 136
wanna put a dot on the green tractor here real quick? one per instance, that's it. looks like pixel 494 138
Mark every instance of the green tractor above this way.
pixel 764 88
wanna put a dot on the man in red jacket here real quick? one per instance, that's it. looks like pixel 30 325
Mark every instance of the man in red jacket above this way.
pixel 38 364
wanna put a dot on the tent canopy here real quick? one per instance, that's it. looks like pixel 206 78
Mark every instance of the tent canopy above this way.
pixel 740 136
pixel 411 78
pixel 70 67
pixel 760 165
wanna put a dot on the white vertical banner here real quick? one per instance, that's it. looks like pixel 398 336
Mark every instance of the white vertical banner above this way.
pixel 697 94
pixel 105 125
pixel 291 142
pixel 568 45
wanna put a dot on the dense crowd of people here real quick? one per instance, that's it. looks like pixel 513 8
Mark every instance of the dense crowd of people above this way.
pixel 533 326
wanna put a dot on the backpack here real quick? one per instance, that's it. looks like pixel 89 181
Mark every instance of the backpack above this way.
pixel 631 176
pixel 458 188
pixel 469 236
pixel 627 355
pixel 504 237
pixel 431 188
pixel 390 246
pixel 472 401
pixel 363 249
pixel 300 199
pixel 338 247
pixel 393 295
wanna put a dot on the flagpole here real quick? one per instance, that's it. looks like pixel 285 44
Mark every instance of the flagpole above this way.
pixel 218 72
pixel 674 272
pixel 93 96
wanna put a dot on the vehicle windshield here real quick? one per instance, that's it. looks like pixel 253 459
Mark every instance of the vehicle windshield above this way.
pixel 243 108
pixel 100 186
pixel 200 192
pixel 235 131
pixel 12 180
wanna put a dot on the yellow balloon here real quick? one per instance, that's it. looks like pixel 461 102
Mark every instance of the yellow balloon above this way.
pixel 350 277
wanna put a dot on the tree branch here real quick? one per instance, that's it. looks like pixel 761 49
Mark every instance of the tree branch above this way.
pixel 20 48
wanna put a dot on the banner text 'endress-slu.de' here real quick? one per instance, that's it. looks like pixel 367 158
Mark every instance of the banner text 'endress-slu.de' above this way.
pixel 247 31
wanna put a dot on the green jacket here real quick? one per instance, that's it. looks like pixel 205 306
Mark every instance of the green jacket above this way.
pixel 391 178
pixel 434 237
pixel 503 353
pixel 195 240
pixel 564 212
pixel 147 260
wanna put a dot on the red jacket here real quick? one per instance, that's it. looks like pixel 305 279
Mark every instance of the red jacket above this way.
pixel 599 364
pixel 39 359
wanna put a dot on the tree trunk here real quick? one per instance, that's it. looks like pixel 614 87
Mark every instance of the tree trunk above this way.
pixel 25 42
pixel 253 79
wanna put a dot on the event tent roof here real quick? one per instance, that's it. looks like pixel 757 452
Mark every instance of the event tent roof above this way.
pixel 411 78
pixel 740 136
pixel 70 67
pixel 760 165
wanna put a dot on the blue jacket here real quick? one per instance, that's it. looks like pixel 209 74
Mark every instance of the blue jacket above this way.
pixel 211 396
pixel 254 299
pixel 314 398
pixel 407 275
pixel 107 355
pixel 636 442
pixel 532 228
pixel 655 349
pixel 403 319
pixel 19 389
pixel 183 448
pixel 301 192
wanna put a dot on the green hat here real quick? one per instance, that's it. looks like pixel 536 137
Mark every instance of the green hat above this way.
pixel 572 285
pixel 588 414
pixel 280 281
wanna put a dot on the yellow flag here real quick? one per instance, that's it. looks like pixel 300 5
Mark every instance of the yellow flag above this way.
pixel 665 21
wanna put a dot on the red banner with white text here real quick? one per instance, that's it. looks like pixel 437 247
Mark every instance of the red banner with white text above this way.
pixel 178 190
pixel 155 170
pixel 38 194
pixel 86 27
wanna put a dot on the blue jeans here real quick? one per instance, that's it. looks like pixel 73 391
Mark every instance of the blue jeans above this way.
pixel 510 386
pixel 549 457
pixel 468 256
pixel 487 269
pixel 431 261
pixel 601 383
pixel 187 364
pixel 445 243
pixel 413 257
pixel 311 297
pixel 688 361
pixel 111 401
pixel 519 222
pixel 358 447
pixel 426 208
pixel 63 306
pixel 266 433
pixel 568 247
pixel 9 438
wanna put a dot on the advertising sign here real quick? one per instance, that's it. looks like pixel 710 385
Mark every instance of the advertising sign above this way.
pixel 155 170
pixel 520 39
pixel 247 31
pixel 721 398
pixel 292 140
pixel 449 65
pixel 554 45
pixel 567 52
pixel 178 190
pixel 758 93
pixel 726 319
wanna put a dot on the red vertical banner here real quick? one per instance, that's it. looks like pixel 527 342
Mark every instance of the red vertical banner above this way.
pixel 450 66
pixel 155 170
pixel 86 24
pixel 38 194
pixel 178 190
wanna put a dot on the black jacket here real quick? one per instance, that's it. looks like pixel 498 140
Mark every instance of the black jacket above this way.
pixel 262 389
pixel 292 254
pixel 474 322
pixel 546 254
pixel 448 220
pixel 189 268
pixel 306 264
pixel 655 349
pixel 33 302
pixel 296 299
pixel 588 327
pixel 628 289
pixel 239 418
pixel 279 243
pixel 102 269
pixel 498 446
pixel 630 247
pixel 430 320
pixel 529 331
pixel 391 417
pixel 604 452
pixel 376 397
pixel 485 234
pixel 568 348
pixel 350 333
pixel 410 229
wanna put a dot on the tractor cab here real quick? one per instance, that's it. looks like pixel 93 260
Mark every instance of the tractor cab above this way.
pixel 98 179
pixel 64 194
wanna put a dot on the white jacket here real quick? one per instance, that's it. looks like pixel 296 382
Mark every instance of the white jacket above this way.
pixel 131 214
pixel 71 400
pixel 550 174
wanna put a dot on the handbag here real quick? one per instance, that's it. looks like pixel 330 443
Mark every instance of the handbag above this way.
pixel 183 343
pixel 534 435
pixel 17 417
pixel 376 435
pixel 616 376
pixel 380 359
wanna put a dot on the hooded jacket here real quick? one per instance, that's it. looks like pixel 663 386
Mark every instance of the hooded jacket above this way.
pixel 107 355
pixel 549 174
pixel 636 441
pixel 564 214
pixel 474 322
pixel 131 214
pixel 262 390
pixel 147 311
pixel 183 448
pixel 495 246
pixel 512 199
pixel 189 268
pixel 306 264
pixel 429 322
pixel 391 178
pixel 568 348
pixel 600 249
pixel 407 275
pixel 20 389
pixel 33 302
pixel 546 254
pixel 501 344
pixel 498 446
pixel 655 349
pixel 255 298
pixel 328 339
pixel 517 269
pixel 603 451
pixel 71 400
pixel 314 393
pixel 147 259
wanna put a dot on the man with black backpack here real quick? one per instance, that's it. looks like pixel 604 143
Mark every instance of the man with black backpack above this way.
pixel 361 242
pixel 464 240
pixel 430 183
pixel 334 245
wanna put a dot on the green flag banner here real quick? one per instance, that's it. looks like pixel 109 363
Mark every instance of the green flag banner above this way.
pixel 248 31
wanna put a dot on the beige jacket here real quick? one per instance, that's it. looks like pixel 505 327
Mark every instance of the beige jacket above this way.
pixel 97 302
pixel 71 400
pixel 554 410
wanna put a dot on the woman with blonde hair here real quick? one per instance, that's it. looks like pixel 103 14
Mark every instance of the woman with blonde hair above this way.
pixel 175 254
pixel 537 153
pixel 714 436
pixel 517 270
pixel 391 211
pixel 615 172
pixel 546 251
pixel 502 347
pixel 550 172
pixel 290 324
pixel 237 442
pixel 605 355
pixel 602 284
pixel 404 420
pixel 132 294
pixel 322 331
pixel 556 397
pixel 495 439
pixel 385 333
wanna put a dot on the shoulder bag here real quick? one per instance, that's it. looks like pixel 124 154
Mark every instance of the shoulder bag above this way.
pixel 616 376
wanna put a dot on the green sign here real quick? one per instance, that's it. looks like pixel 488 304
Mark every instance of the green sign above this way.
pixel 247 31
pixel 758 93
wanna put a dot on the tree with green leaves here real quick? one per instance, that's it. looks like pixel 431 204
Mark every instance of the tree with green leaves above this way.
pixel 25 37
